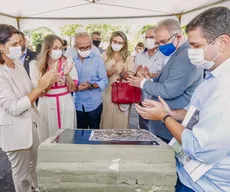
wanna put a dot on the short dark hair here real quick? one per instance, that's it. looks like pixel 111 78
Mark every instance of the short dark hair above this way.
pixel 213 23
pixel 140 44
pixel 96 33
pixel 38 48
pixel 22 34
pixel 6 32
pixel 65 42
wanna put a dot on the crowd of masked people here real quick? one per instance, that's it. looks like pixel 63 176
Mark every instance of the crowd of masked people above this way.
pixel 71 87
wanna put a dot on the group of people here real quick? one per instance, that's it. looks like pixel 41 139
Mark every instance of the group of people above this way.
pixel 36 99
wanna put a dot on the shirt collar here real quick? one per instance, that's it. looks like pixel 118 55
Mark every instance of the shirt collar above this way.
pixel 146 53
pixel 24 54
pixel 178 48
pixel 225 66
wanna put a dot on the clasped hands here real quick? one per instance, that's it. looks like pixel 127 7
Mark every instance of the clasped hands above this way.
pixel 153 110
pixel 51 77
pixel 84 86
pixel 142 73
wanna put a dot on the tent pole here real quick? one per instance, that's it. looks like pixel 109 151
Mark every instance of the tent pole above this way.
pixel 18 23
pixel 179 16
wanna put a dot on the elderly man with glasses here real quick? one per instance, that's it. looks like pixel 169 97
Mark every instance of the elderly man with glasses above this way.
pixel 178 78
pixel 92 81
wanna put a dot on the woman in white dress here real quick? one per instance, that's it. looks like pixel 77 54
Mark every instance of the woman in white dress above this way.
pixel 56 106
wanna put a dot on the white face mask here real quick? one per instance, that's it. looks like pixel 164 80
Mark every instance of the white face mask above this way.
pixel 56 54
pixel 116 47
pixel 84 53
pixel 196 57
pixel 15 52
pixel 149 43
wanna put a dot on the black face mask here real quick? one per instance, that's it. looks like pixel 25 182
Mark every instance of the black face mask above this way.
pixel 96 43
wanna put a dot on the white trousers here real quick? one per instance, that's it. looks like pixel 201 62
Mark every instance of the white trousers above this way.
pixel 23 164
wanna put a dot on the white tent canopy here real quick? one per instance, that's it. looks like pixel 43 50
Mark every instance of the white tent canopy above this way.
pixel 27 14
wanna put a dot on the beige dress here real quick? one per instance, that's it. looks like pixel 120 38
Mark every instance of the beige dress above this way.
pixel 112 117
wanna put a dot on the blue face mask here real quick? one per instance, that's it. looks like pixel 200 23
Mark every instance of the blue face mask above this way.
pixel 169 48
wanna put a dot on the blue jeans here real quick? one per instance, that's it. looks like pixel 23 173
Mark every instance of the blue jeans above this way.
pixel 90 119
pixel 181 188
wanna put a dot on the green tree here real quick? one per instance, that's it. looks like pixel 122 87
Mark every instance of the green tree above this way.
pixel 107 30
pixel 38 35
pixel 69 30
pixel 183 30
pixel 141 31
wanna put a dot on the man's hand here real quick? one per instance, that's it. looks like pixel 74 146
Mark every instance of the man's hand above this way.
pixel 135 81
pixel 146 71
pixel 152 110
pixel 83 86
pixel 165 105
pixel 139 70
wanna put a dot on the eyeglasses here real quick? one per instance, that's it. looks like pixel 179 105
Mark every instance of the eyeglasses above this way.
pixel 149 37
pixel 165 41
pixel 84 48
pixel 117 42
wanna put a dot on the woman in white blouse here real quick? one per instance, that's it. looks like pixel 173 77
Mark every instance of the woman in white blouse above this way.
pixel 18 116
pixel 56 106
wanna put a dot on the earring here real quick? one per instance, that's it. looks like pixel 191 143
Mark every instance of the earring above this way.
pixel 1 51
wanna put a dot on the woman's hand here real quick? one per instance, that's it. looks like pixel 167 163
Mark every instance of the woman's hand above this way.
pixel 124 74
pixel 112 70
pixel 48 79
pixel 67 69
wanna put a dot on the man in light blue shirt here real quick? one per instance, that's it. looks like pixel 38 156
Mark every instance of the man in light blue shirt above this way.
pixel 92 81
pixel 209 140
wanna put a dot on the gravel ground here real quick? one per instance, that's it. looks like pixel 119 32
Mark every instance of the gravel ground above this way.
pixel 6 183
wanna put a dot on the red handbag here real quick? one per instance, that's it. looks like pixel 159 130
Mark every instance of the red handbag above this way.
pixel 123 93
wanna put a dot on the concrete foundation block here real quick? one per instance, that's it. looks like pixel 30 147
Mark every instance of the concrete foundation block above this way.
pixel 105 168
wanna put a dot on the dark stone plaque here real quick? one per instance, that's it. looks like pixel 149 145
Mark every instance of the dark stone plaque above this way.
pixel 97 137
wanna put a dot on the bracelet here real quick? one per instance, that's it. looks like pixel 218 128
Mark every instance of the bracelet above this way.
pixel 165 117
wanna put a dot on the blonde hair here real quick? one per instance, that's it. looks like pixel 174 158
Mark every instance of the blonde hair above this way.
pixel 124 51
pixel 43 57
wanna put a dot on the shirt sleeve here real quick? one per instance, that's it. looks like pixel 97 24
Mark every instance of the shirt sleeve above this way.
pixel 137 60
pixel 34 72
pixel 130 65
pixel 181 75
pixel 102 75
pixel 209 140
pixel 70 52
pixel 9 102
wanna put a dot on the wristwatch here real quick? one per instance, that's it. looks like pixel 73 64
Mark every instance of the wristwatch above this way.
pixel 165 117
pixel 91 86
